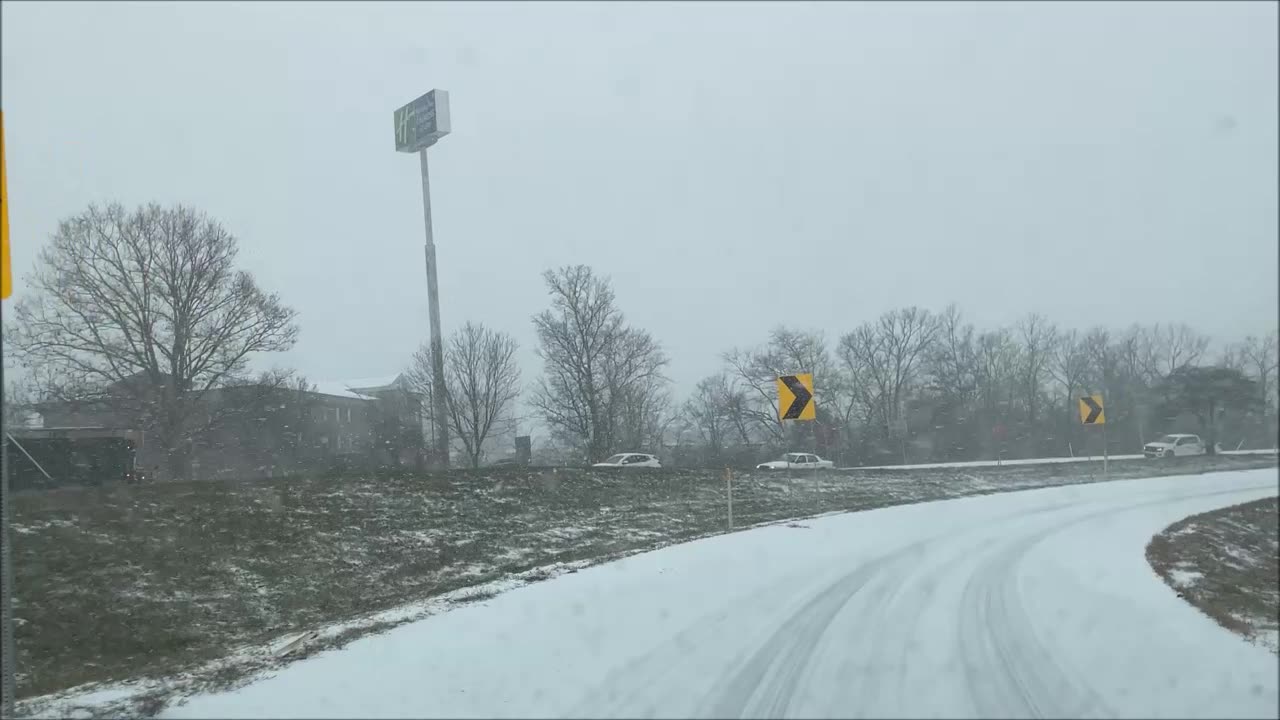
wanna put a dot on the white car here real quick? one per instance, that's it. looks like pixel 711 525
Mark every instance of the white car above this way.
pixel 631 460
pixel 797 461
pixel 1171 446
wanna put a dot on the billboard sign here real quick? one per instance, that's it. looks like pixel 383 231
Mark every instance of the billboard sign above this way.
pixel 422 122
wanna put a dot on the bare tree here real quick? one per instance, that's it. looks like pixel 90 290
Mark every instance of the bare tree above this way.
pixel 951 362
pixel 951 369
pixel 787 352
pixel 757 376
pixel 145 312
pixel 737 408
pixel 640 406
pixel 1069 365
pixel 1259 355
pixel 886 354
pixel 1038 337
pixel 596 369
pixel 646 414
pixel 997 373
pixel 1232 357
pixel 18 403
pixel 709 409
pixel 1122 370
pixel 482 382
pixel 1169 347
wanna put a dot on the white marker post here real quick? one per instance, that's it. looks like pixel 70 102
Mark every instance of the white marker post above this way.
pixel 728 485
pixel 1105 450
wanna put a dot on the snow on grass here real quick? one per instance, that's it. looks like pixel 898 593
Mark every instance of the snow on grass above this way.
pixel 39 526
pixel 687 630
pixel 1227 564
pixel 1269 638
pixel 570 533
pixel 422 537
pixel 268 562
pixel 1242 557
pixel 98 700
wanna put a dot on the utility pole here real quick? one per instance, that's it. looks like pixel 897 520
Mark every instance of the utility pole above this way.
pixel 418 126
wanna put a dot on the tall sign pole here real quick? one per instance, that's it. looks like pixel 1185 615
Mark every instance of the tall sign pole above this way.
pixel 418 126
pixel 440 424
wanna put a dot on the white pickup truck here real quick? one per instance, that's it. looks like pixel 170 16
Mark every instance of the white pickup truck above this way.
pixel 797 461
pixel 1172 446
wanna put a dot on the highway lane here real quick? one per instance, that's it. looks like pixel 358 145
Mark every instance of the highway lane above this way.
pixel 1028 604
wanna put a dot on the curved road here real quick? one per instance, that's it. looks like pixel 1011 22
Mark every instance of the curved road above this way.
pixel 1029 604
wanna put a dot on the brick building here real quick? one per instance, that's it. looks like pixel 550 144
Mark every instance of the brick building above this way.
pixel 250 431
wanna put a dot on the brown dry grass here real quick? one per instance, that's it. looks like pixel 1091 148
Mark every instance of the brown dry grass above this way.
pixel 146 581
pixel 1236 553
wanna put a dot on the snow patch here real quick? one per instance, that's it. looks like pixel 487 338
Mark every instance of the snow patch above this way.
pixel 424 537
pixel 113 700
pixel 1269 639
pixel 569 533
pixel 652 633
pixel 39 526
pixel 1238 553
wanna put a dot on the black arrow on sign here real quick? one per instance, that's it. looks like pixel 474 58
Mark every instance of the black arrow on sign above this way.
pixel 803 396
pixel 1094 409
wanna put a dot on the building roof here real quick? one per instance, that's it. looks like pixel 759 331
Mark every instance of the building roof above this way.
pixel 382 382
pixel 359 388
pixel 339 389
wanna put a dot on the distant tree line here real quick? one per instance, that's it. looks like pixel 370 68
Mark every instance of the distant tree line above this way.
pixel 601 386
pixel 910 386
pixel 146 312
pixel 918 386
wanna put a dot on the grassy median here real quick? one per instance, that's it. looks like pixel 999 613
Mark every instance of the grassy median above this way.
pixel 146 581
pixel 1227 563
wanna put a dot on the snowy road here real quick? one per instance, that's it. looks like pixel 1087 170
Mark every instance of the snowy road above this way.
pixel 1029 604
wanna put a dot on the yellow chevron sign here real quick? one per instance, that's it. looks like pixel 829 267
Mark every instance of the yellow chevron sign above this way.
pixel 1091 412
pixel 795 397
pixel 6 271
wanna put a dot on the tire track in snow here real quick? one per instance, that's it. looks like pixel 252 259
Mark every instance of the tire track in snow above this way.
pixel 888 625
pixel 628 691
pixel 1009 672
pixel 765 685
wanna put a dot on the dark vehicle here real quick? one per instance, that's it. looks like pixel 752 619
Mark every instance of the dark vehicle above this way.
pixel 45 458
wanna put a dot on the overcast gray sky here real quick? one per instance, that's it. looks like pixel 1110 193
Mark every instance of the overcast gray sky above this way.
pixel 730 166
